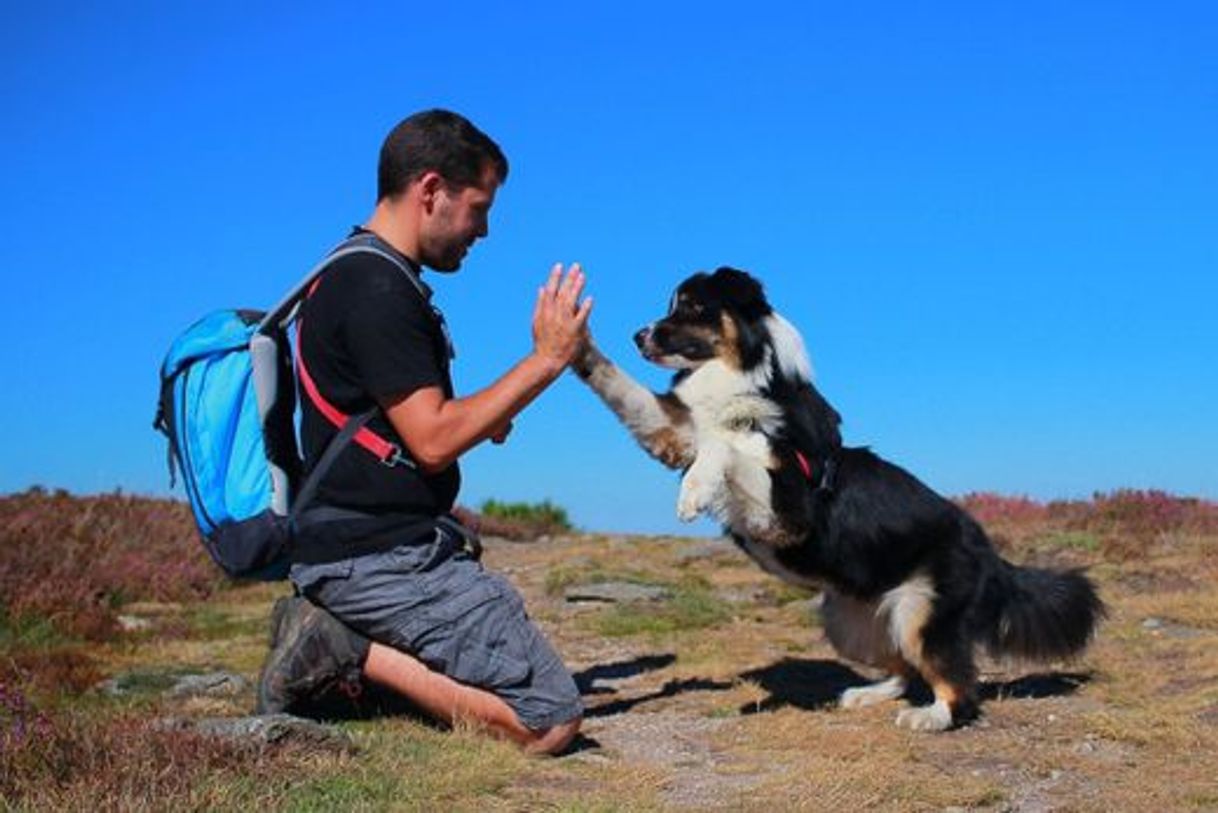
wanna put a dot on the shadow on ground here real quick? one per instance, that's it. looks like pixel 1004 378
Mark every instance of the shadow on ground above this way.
pixel 805 684
pixel 1036 686
pixel 817 684
pixel 621 670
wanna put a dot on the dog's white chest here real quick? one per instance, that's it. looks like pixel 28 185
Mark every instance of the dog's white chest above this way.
pixel 730 476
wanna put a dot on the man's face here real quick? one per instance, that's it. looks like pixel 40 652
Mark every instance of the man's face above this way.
pixel 457 218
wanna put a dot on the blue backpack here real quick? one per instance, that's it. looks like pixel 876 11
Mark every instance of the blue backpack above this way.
pixel 228 408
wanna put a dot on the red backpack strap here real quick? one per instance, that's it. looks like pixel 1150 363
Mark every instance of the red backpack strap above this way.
pixel 388 453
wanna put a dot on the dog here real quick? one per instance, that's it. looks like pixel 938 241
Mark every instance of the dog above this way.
pixel 911 583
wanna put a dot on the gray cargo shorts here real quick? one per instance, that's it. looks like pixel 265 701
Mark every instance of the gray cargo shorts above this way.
pixel 432 600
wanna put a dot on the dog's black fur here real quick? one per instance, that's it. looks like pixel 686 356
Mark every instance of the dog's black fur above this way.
pixel 892 553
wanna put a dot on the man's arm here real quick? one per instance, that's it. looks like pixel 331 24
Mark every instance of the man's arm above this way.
pixel 437 430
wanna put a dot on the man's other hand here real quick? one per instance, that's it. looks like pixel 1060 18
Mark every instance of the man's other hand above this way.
pixel 500 435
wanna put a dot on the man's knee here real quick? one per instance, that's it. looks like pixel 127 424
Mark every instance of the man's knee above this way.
pixel 554 740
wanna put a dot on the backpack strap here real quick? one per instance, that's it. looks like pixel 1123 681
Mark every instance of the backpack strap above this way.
pixel 307 489
pixel 283 314
pixel 388 453
pixel 281 317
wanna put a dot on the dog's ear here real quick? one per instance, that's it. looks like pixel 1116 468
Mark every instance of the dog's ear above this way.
pixel 742 293
pixel 752 338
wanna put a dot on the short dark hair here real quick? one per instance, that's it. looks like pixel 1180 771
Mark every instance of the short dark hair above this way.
pixel 438 140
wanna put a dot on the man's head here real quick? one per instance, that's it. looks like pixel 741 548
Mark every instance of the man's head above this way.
pixel 448 171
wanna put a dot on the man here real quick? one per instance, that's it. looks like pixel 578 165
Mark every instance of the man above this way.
pixel 405 604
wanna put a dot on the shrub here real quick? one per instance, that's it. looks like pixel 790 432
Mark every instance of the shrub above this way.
pixel 74 561
pixel 520 521
pixel 990 508
pixel 74 762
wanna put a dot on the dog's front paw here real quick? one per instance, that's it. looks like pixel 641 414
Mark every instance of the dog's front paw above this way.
pixel 935 717
pixel 690 501
pixel 688 508
pixel 861 697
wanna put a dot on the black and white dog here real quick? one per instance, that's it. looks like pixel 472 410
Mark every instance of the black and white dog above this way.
pixel 911 582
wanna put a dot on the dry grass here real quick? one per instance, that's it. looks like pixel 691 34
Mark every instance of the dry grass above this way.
pixel 721 696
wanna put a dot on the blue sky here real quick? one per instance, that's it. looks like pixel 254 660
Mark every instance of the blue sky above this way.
pixel 996 225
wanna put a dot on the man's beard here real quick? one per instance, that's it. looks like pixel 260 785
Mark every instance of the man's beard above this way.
pixel 450 260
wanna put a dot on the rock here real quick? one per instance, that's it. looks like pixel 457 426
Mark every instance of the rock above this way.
pixel 742 595
pixel 133 623
pixel 268 729
pixel 211 684
pixel 615 592
pixel 701 550
pixel 111 687
pixel 1177 631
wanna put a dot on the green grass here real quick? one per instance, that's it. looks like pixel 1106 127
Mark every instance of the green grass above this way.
pixel 150 680
pixel 692 606
pixel 29 632
pixel 544 512
pixel 1074 540
pixel 211 623
pixel 560 577
pixel 407 766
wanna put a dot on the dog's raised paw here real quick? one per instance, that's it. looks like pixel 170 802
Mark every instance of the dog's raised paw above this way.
pixel 689 502
pixel 935 717
pixel 687 509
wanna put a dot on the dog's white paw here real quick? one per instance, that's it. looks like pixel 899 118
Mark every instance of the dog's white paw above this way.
pixel 863 696
pixel 935 717
pixel 692 500
pixel 688 506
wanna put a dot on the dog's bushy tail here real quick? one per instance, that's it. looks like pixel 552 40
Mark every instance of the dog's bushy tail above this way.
pixel 1041 614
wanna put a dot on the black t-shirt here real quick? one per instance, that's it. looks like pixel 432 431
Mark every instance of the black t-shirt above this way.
pixel 367 332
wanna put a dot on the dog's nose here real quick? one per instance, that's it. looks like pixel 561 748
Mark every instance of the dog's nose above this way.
pixel 640 338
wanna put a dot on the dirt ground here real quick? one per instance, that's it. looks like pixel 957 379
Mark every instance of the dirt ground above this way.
pixel 709 685
pixel 740 713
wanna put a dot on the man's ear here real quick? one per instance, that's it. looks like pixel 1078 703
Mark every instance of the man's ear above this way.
pixel 430 183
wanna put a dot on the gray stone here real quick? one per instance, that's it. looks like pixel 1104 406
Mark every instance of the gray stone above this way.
pixel 1178 631
pixel 267 729
pixel 615 592
pixel 111 687
pixel 705 549
pixel 211 684
pixel 133 623
pixel 742 595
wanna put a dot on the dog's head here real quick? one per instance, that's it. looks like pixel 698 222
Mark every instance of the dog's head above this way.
pixel 725 316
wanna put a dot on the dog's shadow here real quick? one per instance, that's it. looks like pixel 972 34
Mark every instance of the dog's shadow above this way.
pixel 817 684
pixel 804 684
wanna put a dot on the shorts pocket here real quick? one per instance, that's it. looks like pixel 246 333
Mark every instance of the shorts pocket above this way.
pixel 310 578
pixel 478 665
pixel 476 636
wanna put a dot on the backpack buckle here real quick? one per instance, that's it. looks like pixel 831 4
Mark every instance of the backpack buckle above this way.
pixel 394 457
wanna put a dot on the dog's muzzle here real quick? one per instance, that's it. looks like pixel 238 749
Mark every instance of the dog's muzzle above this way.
pixel 642 337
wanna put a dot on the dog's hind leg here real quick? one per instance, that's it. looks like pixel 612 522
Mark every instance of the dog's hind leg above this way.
pixel 953 681
pixel 936 646
pixel 660 424
pixel 858 631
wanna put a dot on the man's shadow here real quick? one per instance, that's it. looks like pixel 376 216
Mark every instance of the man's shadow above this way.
pixel 587 681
